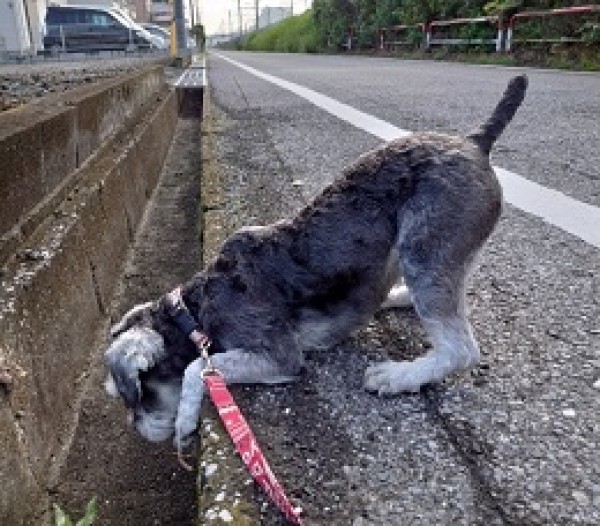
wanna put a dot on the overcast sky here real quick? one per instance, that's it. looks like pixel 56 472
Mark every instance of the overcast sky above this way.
pixel 215 13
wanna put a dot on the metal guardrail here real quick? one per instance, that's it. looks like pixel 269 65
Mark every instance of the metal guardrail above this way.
pixel 493 21
pixel 532 15
pixel 390 38
pixel 393 37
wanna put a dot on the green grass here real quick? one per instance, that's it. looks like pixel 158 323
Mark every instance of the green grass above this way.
pixel 62 519
pixel 293 35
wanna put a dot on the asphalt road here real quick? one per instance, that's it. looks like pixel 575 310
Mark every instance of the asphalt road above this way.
pixel 515 441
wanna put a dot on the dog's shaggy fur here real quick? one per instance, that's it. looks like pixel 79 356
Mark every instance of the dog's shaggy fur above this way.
pixel 416 210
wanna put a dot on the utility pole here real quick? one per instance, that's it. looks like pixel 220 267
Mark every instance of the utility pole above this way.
pixel 292 7
pixel 256 3
pixel 240 17
pixel 180 29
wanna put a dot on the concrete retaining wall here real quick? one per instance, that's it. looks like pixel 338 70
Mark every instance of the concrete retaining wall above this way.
pixel 55 290
pixel 43 144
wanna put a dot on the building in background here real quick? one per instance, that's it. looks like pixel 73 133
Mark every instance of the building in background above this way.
pixel 272 15
pixel 36 10
pixel 21 26
pixel 141 10
pixel 14 29
pixel 161 12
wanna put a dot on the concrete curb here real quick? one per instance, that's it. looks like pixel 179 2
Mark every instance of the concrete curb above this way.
pixel 55 291
pixel 225 489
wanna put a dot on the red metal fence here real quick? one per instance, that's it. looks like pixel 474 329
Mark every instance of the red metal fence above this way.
pixel 394 37
pixel 439 32
pixel 520 18
pixel 483 31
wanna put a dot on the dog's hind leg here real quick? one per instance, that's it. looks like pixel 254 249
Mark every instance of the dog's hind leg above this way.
pixel 454 349
pixel 442 313
pixel 438 242
pixel 237 367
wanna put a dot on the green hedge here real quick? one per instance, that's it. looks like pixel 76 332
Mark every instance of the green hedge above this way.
pixel 292 35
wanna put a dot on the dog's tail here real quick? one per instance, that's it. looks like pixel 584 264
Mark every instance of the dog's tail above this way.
pixel 487 134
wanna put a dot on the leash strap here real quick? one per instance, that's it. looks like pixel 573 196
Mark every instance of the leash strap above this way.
pixel 241 435
pixel 247 447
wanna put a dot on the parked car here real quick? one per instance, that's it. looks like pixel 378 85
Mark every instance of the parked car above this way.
pixel 74 28
pixel 157 42
pixel 159 32
pixel 165 34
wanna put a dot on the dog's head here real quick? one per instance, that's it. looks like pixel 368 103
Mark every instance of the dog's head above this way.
pixel 135 373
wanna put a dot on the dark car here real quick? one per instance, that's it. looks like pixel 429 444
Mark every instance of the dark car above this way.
pixel 85 28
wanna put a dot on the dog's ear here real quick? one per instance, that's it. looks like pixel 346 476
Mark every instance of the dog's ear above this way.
pixel 140 315
pixel 118 383
pixel 133 351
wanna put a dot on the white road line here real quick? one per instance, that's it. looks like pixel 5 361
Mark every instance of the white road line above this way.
pixel 577 218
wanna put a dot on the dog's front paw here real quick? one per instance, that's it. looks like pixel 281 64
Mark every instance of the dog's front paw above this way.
pixel 390 378
pixel 190 404
pixel 133 351
pixel 184 437
pixel 185 429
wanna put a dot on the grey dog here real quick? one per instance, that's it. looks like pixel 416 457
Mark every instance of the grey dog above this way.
pixel 402 225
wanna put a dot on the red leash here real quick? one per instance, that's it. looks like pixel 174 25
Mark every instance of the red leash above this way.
pixel 247 447
pixel 241 435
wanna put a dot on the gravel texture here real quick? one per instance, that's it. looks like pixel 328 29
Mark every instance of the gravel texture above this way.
pixel 20 83
pixel 516 440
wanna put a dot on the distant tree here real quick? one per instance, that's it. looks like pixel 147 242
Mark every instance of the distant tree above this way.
pixel 365 24
pixel 333 18
pixel 387 13
pixel 417 11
